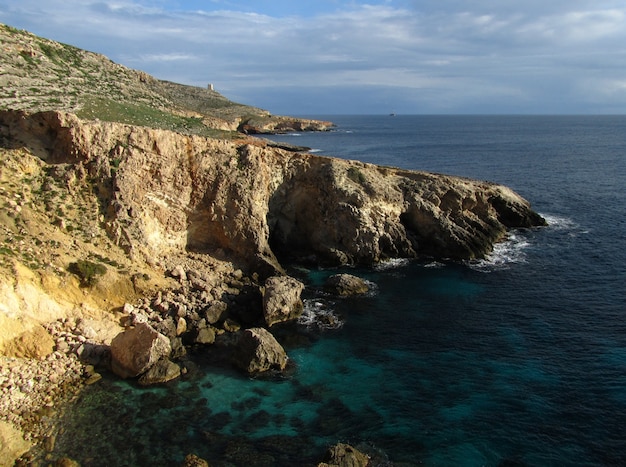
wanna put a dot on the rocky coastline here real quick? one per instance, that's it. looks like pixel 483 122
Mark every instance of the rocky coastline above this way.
pixel 140 220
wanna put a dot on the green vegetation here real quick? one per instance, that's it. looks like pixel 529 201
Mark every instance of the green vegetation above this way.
pixel 87 271
pixel 356 175
pixel 144 115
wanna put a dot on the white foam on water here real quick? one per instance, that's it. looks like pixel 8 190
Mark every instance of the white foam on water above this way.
pixel 319 313
pixel 393 263
pixel 510 251
pixel 560 223
pixel 315 150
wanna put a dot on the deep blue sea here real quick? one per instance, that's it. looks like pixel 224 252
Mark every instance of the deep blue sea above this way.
pixel 517 360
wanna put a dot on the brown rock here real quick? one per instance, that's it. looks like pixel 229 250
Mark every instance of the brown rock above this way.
pixel 191 460
pixel 281 299
pixel 345 284
pixel 258 351
pixel 233 198
pixel 344 455
pixel 135 350
pixel 161 372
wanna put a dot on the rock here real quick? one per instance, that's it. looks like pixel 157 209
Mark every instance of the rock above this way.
pixel 205 336
pixel 344 455
pixel 12 444
pixel 258 351
pixel 179 272
pixel 181 326
pixel 162 371
pixel 191 460
pixel 216 312
pixel 345 285
pixel 281 299
pixel 231 325
pixel 135 350
pixel 324 208
pixel 93 379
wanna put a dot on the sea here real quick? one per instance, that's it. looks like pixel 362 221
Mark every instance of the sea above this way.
pixel 517 359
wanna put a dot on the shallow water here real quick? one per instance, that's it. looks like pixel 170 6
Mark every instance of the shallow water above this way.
pixel 519 359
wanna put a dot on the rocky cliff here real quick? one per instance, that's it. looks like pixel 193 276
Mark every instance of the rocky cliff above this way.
pixel 163 193
pixel 126 200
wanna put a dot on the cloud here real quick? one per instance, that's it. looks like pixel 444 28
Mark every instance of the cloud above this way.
pixel 444 56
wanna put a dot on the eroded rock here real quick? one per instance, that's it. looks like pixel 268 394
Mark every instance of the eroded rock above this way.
pixel 281 299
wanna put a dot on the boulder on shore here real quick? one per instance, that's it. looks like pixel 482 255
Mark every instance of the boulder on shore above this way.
pixel 345 285
pixel 281 299
pixel 258 351
pixel 135 350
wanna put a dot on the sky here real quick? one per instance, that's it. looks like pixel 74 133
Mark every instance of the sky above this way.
pixel 326 57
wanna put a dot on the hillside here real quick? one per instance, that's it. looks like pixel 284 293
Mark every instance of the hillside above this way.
pixel 131 203
pixel 38 74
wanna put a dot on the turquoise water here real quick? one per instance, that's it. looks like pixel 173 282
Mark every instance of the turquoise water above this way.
pixel 516 360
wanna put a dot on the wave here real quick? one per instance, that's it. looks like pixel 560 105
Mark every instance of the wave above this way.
pixel 510 251
pixel 393 263
pixel 315 150
pixel 560 223
pixel 320 314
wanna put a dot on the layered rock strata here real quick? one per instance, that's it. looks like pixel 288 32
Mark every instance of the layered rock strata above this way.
pixel 165 193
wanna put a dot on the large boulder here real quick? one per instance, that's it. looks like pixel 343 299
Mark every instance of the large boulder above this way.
pixel 344 455
pixel 258 351
pixel 345 285
pixel 135 350
pixel 281 299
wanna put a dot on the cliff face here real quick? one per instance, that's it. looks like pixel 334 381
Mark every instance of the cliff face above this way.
pixel 162 193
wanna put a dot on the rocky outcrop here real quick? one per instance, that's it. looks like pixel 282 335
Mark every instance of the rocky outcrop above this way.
pixel 258 351
pixel 345 285
pixel 344 455
pixel 165 193
pixel 136 350
pixel 278 124
pixel 281 299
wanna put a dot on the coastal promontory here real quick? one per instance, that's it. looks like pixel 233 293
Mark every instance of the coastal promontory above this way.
pixel 138 213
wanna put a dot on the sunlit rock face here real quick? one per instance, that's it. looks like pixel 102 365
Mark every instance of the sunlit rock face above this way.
pixel 163 193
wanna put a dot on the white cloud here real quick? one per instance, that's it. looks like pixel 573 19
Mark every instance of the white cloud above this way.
pixel 448 55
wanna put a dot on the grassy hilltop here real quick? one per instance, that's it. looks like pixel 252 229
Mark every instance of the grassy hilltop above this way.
pixel 39 74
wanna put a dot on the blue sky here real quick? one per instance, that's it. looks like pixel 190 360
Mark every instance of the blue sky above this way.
pixel 339 56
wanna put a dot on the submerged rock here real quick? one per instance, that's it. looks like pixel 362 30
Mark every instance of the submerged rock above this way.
pixel 161 372
pixel 345 285
pixel 258 351
pixel 135 350
pixel 281 299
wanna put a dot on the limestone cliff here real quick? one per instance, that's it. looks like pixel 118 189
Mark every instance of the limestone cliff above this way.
pixel 163 193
